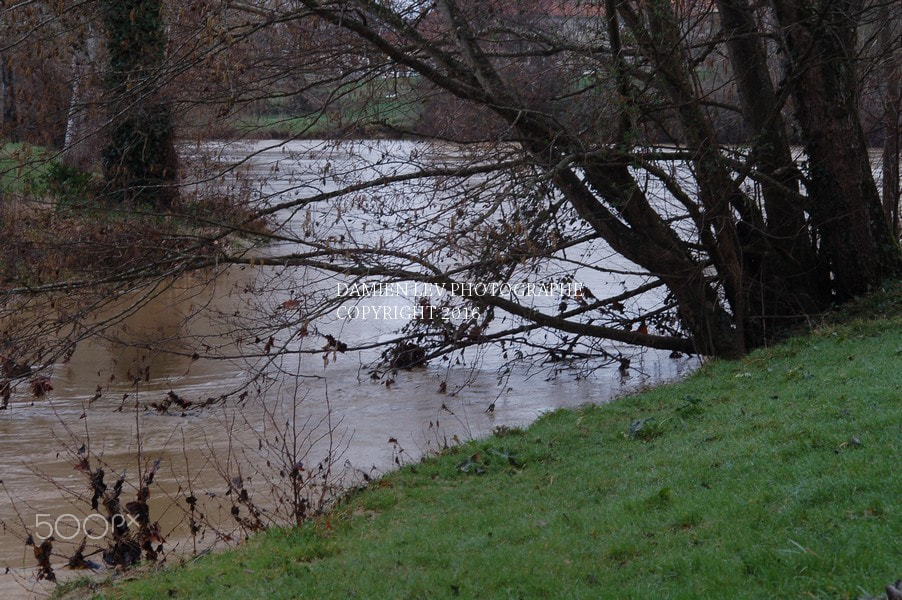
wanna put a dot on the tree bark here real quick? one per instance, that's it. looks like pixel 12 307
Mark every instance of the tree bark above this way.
pixel 140 161
pixel 81 123
pixel 791 281
pixel 855 236
pixel 892 102
pixel 656 32
pixel 8 98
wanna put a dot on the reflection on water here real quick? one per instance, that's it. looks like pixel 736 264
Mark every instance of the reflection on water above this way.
pixel 171 344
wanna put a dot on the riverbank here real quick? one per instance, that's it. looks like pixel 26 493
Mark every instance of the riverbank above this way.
pixel 776 475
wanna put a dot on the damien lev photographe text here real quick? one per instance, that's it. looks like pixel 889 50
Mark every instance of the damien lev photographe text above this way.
pixel 418 289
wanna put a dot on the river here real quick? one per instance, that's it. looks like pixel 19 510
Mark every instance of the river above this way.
pixel 365 425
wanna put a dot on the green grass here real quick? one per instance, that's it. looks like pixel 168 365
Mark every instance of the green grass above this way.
pixel 282 125
pixel 774 476
pixel 368 119
pixel 367 109
pixel 22 166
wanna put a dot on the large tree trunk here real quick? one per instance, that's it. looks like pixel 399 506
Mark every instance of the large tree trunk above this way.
pixel 659 38
pixel 140 162
pixel 763 112
pixel 791 281
pixel 79 149
pixel 8 99
pixel 854 233
pixel 892 102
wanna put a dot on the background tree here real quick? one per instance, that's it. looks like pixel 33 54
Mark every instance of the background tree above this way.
pixel 8 95
pixel 84 123
pixel 140 162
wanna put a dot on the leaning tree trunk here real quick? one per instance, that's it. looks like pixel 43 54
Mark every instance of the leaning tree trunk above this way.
pixel 855 236
pixel 647 241
pixel 140 162
pixel 792 282
pixel 659 38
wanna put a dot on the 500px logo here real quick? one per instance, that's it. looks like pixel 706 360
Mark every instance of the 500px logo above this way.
pixel 79 525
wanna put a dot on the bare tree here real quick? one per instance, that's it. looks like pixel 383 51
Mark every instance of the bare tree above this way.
pixel 741 270
pixel 571 131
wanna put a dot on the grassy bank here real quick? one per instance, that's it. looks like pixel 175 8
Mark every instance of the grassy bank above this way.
pixel 372 121
pixel 22 166
pixel 376 109
pixel 774 476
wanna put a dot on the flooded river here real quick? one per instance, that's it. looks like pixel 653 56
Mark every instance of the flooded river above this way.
pixel 337 409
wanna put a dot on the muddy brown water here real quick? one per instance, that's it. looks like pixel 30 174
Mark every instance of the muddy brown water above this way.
pixel 157 342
